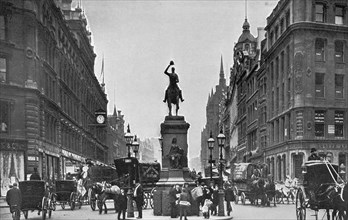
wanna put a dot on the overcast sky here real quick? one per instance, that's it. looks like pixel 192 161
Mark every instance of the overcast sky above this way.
pixel 139 38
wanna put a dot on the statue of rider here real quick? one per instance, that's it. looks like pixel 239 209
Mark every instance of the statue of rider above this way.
pixel 173 80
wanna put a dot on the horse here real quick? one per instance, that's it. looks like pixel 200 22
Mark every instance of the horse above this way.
pixel 258 191
pixel 173 97
pixel 103 193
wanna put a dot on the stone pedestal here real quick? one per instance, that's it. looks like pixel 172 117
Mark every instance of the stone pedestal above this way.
pixel 173 127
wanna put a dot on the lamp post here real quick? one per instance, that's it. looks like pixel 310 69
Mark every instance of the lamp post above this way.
pixel 211 147
pixel 129 139
pixel 221 142
pixel 135 146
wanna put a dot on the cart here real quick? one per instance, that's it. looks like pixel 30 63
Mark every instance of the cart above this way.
pixel 322 189
pixel 36 196
pixel 66 194
pixel 245 186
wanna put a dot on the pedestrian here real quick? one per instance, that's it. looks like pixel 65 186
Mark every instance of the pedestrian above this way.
pixel 197 195
pixel 229 197
pixel 173 198
pixel 14 198
pixel 214 199
pixel 184 202
pixel 314 155
pixel 35 175
pixel 122 204
pixel 139 199
pixel 206 208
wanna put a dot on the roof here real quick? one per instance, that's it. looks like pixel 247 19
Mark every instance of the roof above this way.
pixel 246 35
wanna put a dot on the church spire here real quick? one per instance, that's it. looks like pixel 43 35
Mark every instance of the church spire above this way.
pixel 222 80
pixel 115 113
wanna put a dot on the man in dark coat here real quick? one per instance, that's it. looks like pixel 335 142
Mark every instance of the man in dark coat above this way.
pixel 122 204
pixel 314 155
pixel 35 175
pixel 139 199
pixel 14 198
pixel 229 197
pixel 173 196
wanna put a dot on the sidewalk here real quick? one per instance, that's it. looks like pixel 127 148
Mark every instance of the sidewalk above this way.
pixel 3 203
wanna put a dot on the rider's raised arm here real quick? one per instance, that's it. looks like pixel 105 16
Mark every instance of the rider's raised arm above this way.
pixel 166 70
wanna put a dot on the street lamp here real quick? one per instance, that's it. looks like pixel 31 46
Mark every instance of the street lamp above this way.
pixel 128 138
pixel 135 146
pixel 221 138
pixel 211 147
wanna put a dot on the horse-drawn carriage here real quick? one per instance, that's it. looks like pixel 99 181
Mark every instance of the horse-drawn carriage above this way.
pixel 36 196
pixel 66 193
pixel 322 188
pixel 148 174
pixel 94 177
pixel 251 181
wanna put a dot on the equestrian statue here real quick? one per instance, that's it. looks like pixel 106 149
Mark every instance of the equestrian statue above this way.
pixel 173 94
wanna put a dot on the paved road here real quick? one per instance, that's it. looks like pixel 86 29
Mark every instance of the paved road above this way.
pixel 243 212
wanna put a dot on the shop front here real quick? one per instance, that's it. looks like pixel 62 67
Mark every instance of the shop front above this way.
pixel 12 163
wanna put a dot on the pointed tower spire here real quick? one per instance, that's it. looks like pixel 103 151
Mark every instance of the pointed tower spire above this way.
pixel 115 112
pixel 222 80
pixel 102 75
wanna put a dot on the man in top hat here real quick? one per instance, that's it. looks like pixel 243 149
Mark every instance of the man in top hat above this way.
pixel 314 155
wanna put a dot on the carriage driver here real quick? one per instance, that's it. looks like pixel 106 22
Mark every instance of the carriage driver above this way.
pixel 173 80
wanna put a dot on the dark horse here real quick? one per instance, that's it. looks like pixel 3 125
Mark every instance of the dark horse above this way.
pixel 258 191
pixel 173 98
pixel 102 195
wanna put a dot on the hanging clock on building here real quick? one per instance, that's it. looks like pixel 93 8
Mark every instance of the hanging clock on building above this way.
pixel 100 119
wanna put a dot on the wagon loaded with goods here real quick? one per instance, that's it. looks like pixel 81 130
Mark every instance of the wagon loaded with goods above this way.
pixel 36 196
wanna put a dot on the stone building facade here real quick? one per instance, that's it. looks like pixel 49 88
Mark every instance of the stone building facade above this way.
pixel 214 109
pixel 49 93
pixel 306 66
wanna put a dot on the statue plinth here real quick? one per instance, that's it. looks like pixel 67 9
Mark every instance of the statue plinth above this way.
pixel 174 163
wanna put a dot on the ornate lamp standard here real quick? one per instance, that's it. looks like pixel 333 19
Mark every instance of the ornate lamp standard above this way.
pixel 221 142
pixel 211 147
pixel 129 139
pixel 135 146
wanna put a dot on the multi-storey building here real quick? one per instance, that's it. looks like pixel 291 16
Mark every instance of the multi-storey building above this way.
pixel 48 91
pixel 214 109
pixel 115 136
pixel 306 66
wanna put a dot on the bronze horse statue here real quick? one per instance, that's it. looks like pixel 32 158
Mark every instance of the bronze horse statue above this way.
pixel 173 94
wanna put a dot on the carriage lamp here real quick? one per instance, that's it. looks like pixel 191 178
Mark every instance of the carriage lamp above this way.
pixel 221 138
pixel 304 169
pixel 211 147
pixel 135 146
pixel 342 171
pixel 128 138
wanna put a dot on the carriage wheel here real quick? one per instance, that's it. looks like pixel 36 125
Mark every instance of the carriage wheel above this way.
pixel 242 198
pixel 91 199
pixel 300 205
pixel 72 201
pixel 25 213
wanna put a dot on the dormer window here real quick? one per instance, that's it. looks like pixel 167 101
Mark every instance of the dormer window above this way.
pixel 319 13
pixel 247 47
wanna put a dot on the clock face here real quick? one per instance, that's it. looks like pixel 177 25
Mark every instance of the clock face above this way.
pixel 100 119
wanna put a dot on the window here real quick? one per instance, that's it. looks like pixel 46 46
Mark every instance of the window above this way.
pixel 339 118
pixel 338 86
pixel 2 28
pixel 287 19
pixel 3 70
pixel 319 123
pixel 339 51
pixel 339 16
pixel 282 26
pixel 319 84
pixel 4 116
pixel 319 49
pixel 299 123
pixel 319 13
